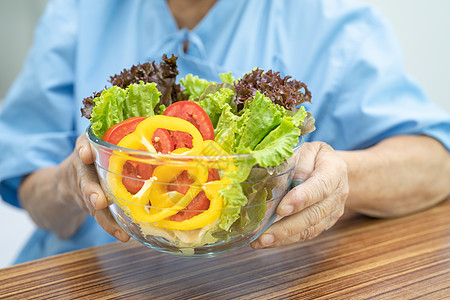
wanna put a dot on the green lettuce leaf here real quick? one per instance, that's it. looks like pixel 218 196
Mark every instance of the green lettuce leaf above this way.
pixel 229 129
pixel 227 77
pixel 263 118
pixel 194 86
pixel 299 116
pixel 141 100
pixel 116 104
pixel 278 144
pixel 215 103
pixel 233 195
pixel 107 110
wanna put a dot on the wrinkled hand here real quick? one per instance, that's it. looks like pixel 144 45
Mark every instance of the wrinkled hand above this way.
pixel 313 206
pixel 81 176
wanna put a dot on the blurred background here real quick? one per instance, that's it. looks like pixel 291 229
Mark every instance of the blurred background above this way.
pixel 422 27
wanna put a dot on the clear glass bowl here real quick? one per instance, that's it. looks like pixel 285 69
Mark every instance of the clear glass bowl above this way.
pixel 155 212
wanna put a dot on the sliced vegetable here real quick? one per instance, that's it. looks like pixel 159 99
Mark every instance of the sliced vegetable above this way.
pixel 194 113
pixel 162 141
pixel 205 208
pixel 195 207
pixel 211 190
pixel 181 139
pixel 199 203
pixel 116 132
pixel 134 175
pixel 135 172
pixel 141 137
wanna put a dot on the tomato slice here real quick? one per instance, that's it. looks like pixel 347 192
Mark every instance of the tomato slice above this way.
pixel 195 207
pixel 116 132
pixel 213 175
pixel 181 184
pixel 181 139
pixel 136 172
pixel 195 114
pixel 200 202
pixel 162 141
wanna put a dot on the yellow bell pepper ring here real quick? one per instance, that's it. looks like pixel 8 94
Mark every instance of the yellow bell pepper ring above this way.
pixel 141 139
pixel 211 190
pixel 163 203
pixel 155 203
pixel 209 216
pixel 143 133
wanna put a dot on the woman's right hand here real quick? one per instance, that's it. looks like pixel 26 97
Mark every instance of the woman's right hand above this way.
pixel 57 198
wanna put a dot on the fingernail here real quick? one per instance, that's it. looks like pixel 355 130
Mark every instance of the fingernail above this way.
pixel 80 152
pixel 286 210
pixel 93 199
pixel 266 240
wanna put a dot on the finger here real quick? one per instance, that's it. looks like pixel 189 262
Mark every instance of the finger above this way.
pixel 307 234
pixel 92 195
pixel 294 224
pixel 83 148
pixel 324 180
pixel 307 159
pixel 91 190
pixel 275 236
pixel 109 224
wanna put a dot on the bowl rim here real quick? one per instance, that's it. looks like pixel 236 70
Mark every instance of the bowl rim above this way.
pixel 98 141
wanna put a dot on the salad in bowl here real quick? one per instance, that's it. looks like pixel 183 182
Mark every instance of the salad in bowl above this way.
pixel 196 168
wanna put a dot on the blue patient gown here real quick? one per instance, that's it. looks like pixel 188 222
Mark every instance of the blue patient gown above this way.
pixel 344 50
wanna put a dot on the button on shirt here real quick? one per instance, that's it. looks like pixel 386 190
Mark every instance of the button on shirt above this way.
pixel 344 50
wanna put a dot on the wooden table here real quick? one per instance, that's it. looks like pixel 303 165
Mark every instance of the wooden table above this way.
pixel 359 258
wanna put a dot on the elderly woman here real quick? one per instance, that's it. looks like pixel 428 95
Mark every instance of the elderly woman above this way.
pixel 381 147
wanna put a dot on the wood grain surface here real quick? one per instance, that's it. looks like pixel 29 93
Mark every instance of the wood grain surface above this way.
pixel 359 258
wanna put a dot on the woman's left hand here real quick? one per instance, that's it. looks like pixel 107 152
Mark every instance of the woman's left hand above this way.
pixel 313 206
